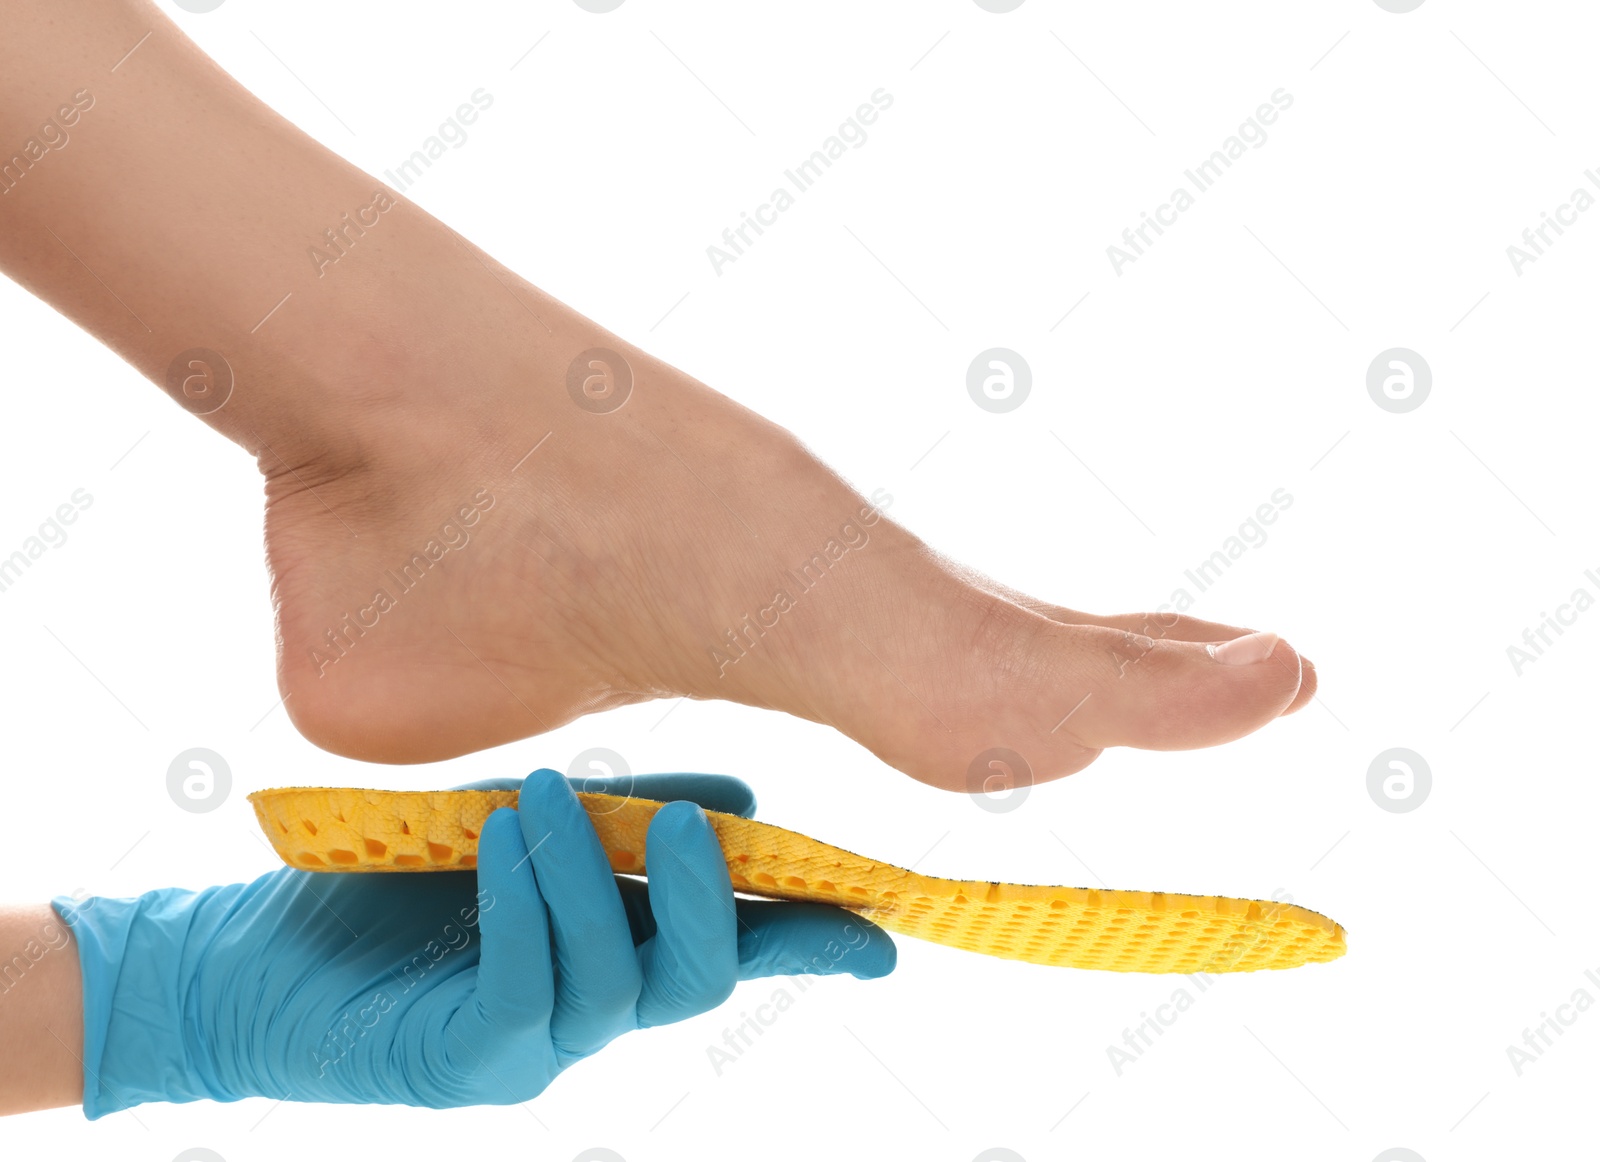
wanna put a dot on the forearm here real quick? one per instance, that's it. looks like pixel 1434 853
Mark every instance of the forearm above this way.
pixel 178 212
pixel 41 1011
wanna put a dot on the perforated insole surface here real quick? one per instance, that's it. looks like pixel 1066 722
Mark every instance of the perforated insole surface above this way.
pixel 335 829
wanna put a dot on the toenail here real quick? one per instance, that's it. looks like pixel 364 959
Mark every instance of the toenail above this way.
pixel 1244 651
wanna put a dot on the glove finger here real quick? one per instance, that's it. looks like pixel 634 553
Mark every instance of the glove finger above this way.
pixel 691 963
pixel 597 970
pixel 515 985
pixel 784 939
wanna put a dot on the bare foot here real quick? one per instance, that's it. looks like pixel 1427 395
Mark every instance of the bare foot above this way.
pixel 471 543
pixel 482 544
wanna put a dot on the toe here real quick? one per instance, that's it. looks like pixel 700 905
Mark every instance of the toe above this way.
pixel 1168 626
pixel 1166 694
pixel 1018 698
pixel 1308 685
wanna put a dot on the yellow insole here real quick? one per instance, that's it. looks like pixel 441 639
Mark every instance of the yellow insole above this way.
pixel 333 829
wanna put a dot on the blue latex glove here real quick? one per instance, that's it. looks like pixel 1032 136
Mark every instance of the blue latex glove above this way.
pixel 441 989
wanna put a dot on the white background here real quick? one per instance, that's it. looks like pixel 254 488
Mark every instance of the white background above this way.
pixel 1222 365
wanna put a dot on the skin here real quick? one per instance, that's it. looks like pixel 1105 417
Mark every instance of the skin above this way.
pixel 41 1012
pixel 398 382
pixel 415 376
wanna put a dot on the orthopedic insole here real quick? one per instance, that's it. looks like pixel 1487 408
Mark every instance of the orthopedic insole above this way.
pixel 340 829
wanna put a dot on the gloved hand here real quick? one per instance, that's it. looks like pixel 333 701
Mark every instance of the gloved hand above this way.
pixel 438 989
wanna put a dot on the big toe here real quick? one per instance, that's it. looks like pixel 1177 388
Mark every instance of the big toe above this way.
pixel 1018 698
pixel 1176 695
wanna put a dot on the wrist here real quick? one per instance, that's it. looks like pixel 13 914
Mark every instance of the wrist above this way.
pixel 144 1038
